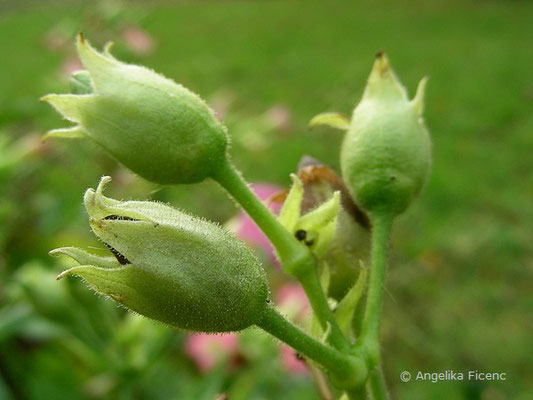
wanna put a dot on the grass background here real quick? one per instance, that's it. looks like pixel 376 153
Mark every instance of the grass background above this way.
pixel 459 288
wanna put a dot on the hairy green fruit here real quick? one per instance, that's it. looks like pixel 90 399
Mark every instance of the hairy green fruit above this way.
pixel 385 156
pixel 154 126
pixel 170 266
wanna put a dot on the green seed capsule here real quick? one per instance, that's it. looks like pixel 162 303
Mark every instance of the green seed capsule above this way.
pixel 170 266
pixel 154 126
pixel 386 155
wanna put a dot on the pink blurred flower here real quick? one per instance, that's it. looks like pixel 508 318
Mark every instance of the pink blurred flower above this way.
pixel 281 117
pixel 138 41
pixel 246 228
pixel 54 40
pixel 291 361
pixel 208 350
pixel 292 301
pixel 70 65
pixel 221 102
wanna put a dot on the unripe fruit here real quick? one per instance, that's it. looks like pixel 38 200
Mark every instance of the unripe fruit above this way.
pixel 154 126
pixel 170 266
pixel 386 155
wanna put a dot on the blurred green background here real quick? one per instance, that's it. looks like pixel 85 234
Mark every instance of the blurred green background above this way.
pixel 459 290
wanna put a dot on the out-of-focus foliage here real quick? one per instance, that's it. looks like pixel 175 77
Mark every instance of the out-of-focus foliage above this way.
pixel 462 264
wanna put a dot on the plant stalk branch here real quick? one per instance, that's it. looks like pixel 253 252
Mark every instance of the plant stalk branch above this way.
pixel 297 259
pixel 381 225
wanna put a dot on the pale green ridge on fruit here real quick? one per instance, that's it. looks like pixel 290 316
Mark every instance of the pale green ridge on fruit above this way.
pixel 154 126
pixel 386 155
pixel 170 266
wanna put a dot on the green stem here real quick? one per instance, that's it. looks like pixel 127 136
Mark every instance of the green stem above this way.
pixel 313 290
pixel 381 225
pixel 356 394
pixel 343 367
pixel 286 245
pixel 296 258
pixel 376 383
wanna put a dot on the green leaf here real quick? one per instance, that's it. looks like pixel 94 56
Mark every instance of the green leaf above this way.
pixel 348 304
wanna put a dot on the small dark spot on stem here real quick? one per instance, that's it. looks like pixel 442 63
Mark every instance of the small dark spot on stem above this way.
pixel 380 53
pixel 309 243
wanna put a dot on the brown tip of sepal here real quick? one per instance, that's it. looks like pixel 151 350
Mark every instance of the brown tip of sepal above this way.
pixel 382 62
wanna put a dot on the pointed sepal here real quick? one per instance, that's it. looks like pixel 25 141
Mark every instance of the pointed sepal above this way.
pixel 418 100
pixel 107 50
pixel 331 119
pixel 320 216
pixel 346 308
pixel 382 83
pixel 80 83
pixel 290 212
pixel 98 64
pixel 76 132
pixel 84 257
pixel 70 106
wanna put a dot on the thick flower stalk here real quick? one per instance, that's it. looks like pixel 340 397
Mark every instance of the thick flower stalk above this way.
pixel 154 126
pixel 170 266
